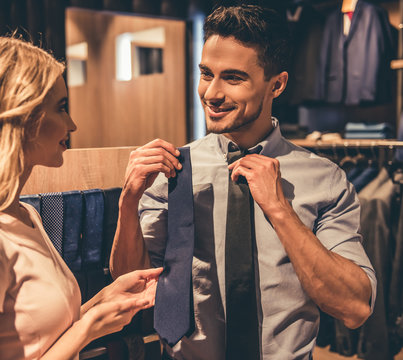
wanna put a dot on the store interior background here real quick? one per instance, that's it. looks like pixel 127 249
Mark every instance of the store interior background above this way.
pixel 112 112
pixel 118 103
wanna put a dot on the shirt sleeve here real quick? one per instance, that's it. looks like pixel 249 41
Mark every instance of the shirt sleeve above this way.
pixel 4 283
pixel 338 226
pixel 153 212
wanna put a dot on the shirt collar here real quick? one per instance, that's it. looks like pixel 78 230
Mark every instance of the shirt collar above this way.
pixel 269 144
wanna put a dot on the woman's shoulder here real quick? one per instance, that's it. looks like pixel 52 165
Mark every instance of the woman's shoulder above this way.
pixel 33 214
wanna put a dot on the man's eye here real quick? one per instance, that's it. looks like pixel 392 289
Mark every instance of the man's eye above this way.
pixel 206 76
pixel 63 107
pixel 233 78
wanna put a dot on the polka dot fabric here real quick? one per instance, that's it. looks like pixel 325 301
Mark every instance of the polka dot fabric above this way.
pixel 52 218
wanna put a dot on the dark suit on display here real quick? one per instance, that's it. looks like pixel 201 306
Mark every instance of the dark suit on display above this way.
pixel 356 68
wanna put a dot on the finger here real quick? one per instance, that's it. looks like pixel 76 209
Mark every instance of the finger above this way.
pixel 166 165
pixel 139 278
pixel 142 154
pixel 150 273
pixel 241 170
pixel 163 144
pixel 151 169
pixel 133 304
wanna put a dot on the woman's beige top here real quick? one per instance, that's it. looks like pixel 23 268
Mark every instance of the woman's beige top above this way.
pixel 39 296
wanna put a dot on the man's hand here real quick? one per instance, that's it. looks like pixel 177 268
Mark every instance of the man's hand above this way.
pixel 264 180
pixel 337 285
pixel 146 162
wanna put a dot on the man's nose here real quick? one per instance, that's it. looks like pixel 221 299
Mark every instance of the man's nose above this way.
pixel 214 92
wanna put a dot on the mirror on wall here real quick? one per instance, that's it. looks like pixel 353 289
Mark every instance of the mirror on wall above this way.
pixel 126 78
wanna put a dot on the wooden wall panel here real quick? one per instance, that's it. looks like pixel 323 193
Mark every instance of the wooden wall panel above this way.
pixel 83 169
pixel 109 112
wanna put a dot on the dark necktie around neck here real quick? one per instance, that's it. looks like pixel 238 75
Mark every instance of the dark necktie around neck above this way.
pixel 173 312
pixel 242 334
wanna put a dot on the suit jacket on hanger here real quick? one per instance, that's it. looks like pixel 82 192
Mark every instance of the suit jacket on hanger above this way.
pixel 356 68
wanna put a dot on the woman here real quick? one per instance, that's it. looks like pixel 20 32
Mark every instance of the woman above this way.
pixel 40 313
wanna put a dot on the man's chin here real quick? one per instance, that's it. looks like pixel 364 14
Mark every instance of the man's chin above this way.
pixel 216 127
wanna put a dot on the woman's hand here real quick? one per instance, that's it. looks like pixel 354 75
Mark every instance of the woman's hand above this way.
pixel 137 286
pixel 107 312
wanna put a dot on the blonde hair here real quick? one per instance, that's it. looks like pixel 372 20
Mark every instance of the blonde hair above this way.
pixel 27 73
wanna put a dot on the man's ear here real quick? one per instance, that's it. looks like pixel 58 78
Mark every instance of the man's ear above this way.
pixel 279 83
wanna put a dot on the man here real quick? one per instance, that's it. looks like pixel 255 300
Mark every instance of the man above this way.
pixel 307 251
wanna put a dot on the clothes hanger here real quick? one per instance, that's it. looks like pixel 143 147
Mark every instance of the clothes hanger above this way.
pixel 348 6
pixel 360 159
pixel 347 162
pixel 372 161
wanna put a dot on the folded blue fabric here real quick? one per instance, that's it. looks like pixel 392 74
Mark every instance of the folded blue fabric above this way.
pixel 33 200
pixel 364 127
pixel 368 135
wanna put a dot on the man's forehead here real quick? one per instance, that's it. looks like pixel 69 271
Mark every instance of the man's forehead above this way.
pixel 227 53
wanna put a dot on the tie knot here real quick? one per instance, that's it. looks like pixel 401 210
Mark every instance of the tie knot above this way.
pixel 234 153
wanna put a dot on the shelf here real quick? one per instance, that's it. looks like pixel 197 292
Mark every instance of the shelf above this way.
pixel 362 143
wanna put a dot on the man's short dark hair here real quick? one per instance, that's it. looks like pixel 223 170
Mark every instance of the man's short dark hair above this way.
pixel 257 27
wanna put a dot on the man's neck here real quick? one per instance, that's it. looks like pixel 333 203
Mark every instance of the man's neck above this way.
pixel 247 138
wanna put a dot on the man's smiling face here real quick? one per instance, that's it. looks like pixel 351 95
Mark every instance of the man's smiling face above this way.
pixel 233 89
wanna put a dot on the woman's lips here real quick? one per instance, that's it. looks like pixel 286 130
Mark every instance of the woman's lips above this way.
pixel 63 144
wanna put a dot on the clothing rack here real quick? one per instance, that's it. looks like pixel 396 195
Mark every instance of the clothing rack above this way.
pixel 348 143
pixel 381 152
pixel 398 66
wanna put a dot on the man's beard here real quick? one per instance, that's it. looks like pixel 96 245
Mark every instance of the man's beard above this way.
pixel 237 124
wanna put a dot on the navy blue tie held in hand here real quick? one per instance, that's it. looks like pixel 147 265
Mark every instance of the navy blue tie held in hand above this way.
pixel 173 312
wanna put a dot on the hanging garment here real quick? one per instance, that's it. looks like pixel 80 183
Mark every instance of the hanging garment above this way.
pixel 72 226
pixel 111 212
pixel 355 68
pixel 92 235
pixel 395 313
pixel 306 28
pixel 376 226
pixel 371 341
pixel 365 177
pixel 34 200
pixel 52 218
pixel 306 33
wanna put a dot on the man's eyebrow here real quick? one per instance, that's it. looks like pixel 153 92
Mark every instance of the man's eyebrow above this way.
pixel 204 67
pixel 227 71
pixel 235 72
